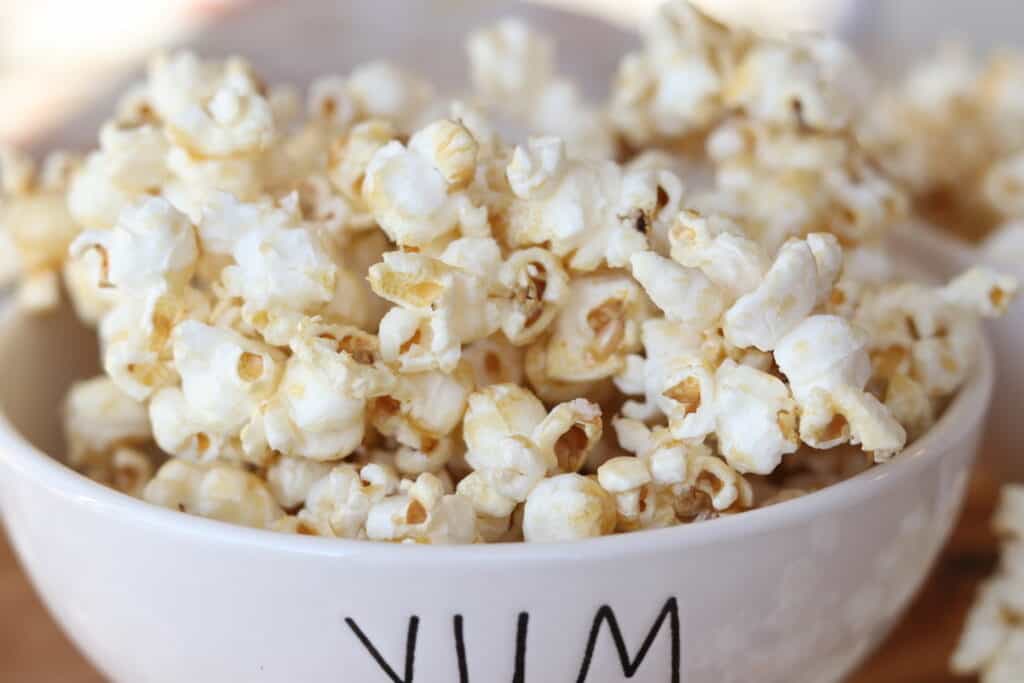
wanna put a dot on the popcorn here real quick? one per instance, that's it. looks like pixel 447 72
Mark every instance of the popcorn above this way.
pixel 720 249
pixel 35 227
pixel 280 273
pixel 99 419
pixel 991 643
pixel 338 503
pixel 597 328
pixel 423 515
pixel 413 192
pixel 423 406
pixel 430 328
pixel 512 69
pixel 799 280
pixel 494 360
pixel 686 295
pixel 586 211
pixel 219 492
pixel 673 89
pixel 210 110
pixel 384 91
pixel 756 419
pixel 567 507
pixel 290 479
pixel 539 287
pixel 319 408
pixel 827 364
pixel 373 318
pixel 153 246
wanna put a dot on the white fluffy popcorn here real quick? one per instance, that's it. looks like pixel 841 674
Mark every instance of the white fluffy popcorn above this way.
pixel 567 507
pixel 99 418
pixel 587 211
pixel 799 280
pixel 597 328
pixel 992 643
pixel 371 317
pixel 221 492
pixel 826 361
pixel 414 191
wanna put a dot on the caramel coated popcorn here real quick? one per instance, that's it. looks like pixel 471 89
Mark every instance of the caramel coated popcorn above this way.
pixel 379 319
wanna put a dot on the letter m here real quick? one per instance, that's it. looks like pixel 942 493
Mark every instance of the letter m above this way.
pixel 629 667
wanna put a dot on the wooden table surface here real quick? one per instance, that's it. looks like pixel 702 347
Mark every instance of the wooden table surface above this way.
pixel 33 650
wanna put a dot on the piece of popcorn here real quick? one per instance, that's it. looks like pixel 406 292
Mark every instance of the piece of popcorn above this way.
pixel 423 406
pixel 686 295
pixel 280 273
pixel 290 479
pixel 99 418
pixel 210 110
pixel 338 503
pixel 485 498
pixel 35 228
pixel 319 409
pixel 196 178
pixel 629 481
pixel 130 471
pixel 552 390
pixel 986 632
pixel 910 404
pixel 586 211
pixel 178 431
pixel 569 433
pixel 568 507
pixel 221 492
pixel 135 338
pixel 807 83
pixel 699 483
pixel 224 376
pixel 82 276
pixel 981 291
pixel 153 245
pixel 756 418
pixel 331 102
pixel 414 191
pixel 428 457
pixel 799 280
pixel 719 248
pixel 826 361
pixel 597 328
pixel 348 159
pixel 423 515
pixel 1009 516
pixel 539 287
pixel 509 64
pixel 673 88
pixel 384 91
pixel 494 360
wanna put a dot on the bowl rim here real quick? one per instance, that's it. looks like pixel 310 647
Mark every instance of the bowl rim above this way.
pixel 965 412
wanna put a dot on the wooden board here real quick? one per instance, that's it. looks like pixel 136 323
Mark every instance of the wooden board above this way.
pixel 33 649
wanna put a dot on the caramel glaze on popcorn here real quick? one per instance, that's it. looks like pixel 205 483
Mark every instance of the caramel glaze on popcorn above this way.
pixel 377 319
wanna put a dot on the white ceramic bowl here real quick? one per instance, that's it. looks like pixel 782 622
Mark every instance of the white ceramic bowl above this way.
pixel 799 592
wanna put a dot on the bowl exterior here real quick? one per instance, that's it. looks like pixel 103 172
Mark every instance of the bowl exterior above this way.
pixel 151 600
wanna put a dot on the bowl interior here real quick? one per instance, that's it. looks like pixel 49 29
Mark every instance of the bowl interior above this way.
pixel 40 357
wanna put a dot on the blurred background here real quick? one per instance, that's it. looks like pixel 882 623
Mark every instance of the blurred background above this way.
pixel 57 55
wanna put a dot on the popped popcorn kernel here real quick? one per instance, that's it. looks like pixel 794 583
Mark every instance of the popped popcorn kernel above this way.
pixel 221 492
